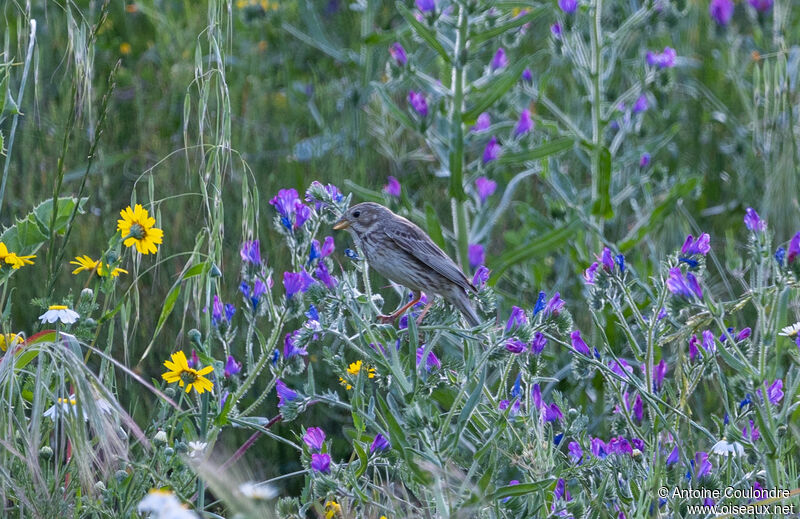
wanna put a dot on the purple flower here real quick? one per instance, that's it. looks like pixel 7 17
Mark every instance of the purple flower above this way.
pixel 328 246
pixel 621 368
pixel 332 193
pixel 701 464
pixel 674 456
pixel 290 348
pixel 517 318
pixel 284 393
pixel 721 11
pixel 540 303
pixel 761 5
pixel 665 59
pixel 684 286
pixel 481 277
pixel 527 75
pixel 599 448
pixel 561 491
pixel 232 367
pixel 556 31
pixel 321 462
pixel 325 276
pixel 295 282
pixel 524 124
pixel 637 443
pixel 392 188
pixel 638 408
pixel 250 252
pixel 554 305
pixel 590 273
pixel 744 334
pixel 485 188
pixel 431 362
pixel 753 221
pixel 750 430
pixel 515 346
pixel 216 310
pixel 538 343
pixel 641 104
pixel 499 60
pixel 775 391
pixel 302 213
pixel 575 452
pixel 229 311
pixel 658 375
pixel 607 260
pixel 425 6
pixel 794 248
pixel 568 6
pixel 552 413
pixel 380 443
pixel 314 252
pixel 314 437
pixel 702 245
pixel 492 150
pixel 284 202
pixel 578 343
pixel 476 254
pixel 536 396
pixel 619 445
pixel 483 122
pixel 644 160
pixel 398 53
pixel 709 343
pixel 418 102
pixel 193 362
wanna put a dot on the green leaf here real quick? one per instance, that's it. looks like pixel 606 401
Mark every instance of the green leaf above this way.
pixel 542 245
pixel 433 225
pixel 394 110
pixel 539 152
pixel 44 213
pixel 197 270
pixel 521 489
pixel 469 407
pixel 658 214
pixel 423 32
pixel 500 86
pixel 362 459
pixel 602 206
pixel 477 39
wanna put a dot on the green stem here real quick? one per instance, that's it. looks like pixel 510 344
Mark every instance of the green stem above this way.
pixel 457 195
pixel 201 486
pixel 597 89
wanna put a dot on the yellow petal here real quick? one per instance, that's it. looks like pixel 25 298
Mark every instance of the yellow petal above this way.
pixel 207 369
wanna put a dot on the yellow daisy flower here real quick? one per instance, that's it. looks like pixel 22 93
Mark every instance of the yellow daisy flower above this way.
pixel 9 340
pixel 86 263
pixel 179 371
pixel 332 509
pixel 12 259
pixel 355 369
pixel 346 384
pixel 136 227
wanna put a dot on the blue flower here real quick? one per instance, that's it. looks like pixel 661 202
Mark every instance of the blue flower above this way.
pixel 578 344
pixel 290 348
pixel 285 394
pixel 312 313
pixel 232 367
pixel 540 303
pixel 517 318
pixel 350 253
pixel 780 256
pixel 325 276
pixel 380 443
pixel 621 262
pixel 314 252
pixel 250 252
pixel 754 222
pixel 516 390
pixel 685 286
pixel 538 343
pixel 295 282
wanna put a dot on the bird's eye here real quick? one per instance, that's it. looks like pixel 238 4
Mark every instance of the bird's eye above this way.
pixel 356 214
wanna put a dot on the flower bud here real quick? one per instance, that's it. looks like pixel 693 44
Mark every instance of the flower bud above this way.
pixel 195 337
pixel 160 439
pixel 170 392
pixel 120 475
pixel 100 486
pixel 87 293
pixel 215 272
pixel 169 451
pixel 46 452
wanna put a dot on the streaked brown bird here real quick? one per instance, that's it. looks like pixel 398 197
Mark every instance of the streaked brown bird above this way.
pixel 400 251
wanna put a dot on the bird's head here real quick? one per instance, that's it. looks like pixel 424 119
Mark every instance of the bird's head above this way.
pixel 361 217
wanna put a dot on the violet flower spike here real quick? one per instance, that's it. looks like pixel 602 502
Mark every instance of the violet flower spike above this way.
pixel 485 188
pixel 314 438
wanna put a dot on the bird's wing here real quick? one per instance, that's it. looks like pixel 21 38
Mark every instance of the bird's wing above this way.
pixel 413 240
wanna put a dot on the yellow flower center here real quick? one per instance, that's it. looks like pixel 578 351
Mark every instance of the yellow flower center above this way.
pixel 137 231
pixel 57 307
pixel 188 377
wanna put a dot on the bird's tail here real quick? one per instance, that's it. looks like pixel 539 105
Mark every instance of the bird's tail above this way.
pixel 461 300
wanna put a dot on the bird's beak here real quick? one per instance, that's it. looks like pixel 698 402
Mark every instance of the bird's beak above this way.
pixel 341 224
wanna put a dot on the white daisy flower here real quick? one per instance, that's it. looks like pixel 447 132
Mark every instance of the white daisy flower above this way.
pixel 59 313
pixel 63 406
pixel 162 504
pixel 791 330
pixel 725 448
pixel 196 449
pixel 257 491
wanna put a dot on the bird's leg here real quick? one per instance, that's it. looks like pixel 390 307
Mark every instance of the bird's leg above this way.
pixel 391 318
pixel 425 311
